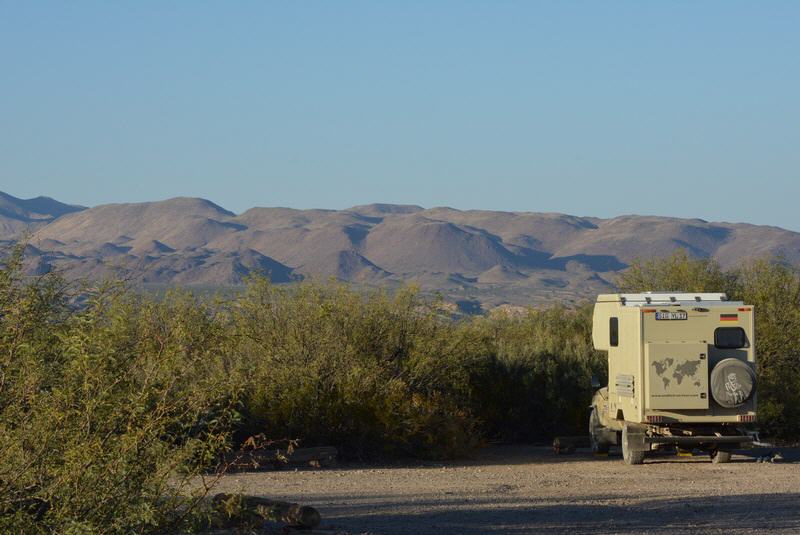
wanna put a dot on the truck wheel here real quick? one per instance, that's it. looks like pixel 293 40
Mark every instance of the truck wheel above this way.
pixel 628 455
pixel 720 456
pixel 595 434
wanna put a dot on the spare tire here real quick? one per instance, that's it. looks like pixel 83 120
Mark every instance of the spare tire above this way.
pixel 732 383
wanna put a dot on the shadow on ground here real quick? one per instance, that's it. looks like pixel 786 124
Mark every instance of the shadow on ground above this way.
pixel 618 510
pixel 745 513
pixel 522 455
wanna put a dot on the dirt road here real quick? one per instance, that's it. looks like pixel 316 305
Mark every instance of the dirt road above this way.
pixel 529 490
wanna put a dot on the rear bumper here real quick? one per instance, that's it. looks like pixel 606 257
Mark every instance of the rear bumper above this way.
pixel 734 416
pixel 697 440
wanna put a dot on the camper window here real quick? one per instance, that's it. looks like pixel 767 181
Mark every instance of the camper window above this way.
pixel 730 338
pixel 613 329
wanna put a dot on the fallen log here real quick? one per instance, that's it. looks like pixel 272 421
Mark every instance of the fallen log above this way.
pixel 563 445
pixel 292 514
pixel 260 459
pixel 324 455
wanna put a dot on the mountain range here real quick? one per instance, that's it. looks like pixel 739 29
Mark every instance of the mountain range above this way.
pixel 475 258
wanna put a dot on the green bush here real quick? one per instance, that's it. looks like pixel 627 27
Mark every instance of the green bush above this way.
pixel 387 375
pixel 109 412
pixel 535 378
pixel 678 272
pixel 774 290
pixel 333 366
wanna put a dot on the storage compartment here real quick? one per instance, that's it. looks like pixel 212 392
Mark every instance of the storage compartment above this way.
pixel 677 376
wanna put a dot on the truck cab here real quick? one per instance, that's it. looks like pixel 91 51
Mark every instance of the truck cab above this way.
pixel 681 369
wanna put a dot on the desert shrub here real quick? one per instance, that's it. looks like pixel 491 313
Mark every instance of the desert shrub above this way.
pixel 107 412
pixel 535 381
pixel 330 365
pixel 678 272
pixel 774 290
pixel 383 375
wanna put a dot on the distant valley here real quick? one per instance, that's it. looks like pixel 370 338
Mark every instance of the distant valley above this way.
pixel 478 259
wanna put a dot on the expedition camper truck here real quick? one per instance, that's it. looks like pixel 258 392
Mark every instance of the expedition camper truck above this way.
pixel 681 374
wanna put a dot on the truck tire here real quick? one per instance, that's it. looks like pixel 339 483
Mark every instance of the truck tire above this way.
pixel 595 434
pixel 720 456
pixel 629 455
pixel 732 383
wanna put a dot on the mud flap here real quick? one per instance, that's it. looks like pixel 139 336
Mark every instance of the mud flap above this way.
pixel 636 438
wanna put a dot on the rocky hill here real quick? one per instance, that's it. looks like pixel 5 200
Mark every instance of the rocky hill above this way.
pixel 475 258
pixel 18 216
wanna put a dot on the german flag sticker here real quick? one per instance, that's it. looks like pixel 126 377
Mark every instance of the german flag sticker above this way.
pixel 729 317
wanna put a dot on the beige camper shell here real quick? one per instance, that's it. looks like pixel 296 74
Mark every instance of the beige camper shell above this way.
pixel 681 371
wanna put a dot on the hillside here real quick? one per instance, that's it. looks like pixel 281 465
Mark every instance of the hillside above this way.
pixel 474 258
pixel 23 215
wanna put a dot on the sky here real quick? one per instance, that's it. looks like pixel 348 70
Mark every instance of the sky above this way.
pixel 680 108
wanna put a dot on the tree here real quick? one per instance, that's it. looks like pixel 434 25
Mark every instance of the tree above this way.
pixel 773 288
pixel 678 272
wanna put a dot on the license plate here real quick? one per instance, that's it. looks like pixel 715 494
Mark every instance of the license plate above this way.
pixel 672 316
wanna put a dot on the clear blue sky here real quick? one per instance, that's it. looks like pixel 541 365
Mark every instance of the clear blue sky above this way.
pixel 590 108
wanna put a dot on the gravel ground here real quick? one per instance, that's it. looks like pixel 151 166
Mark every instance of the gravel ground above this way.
pixel 528 490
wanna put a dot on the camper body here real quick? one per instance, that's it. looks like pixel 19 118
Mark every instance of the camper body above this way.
pixel 681 371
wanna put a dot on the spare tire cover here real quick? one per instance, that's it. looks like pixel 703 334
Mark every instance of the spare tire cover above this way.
pixel 732 383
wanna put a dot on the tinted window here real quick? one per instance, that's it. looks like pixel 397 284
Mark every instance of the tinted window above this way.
pixel 730 338
pixel 613 329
